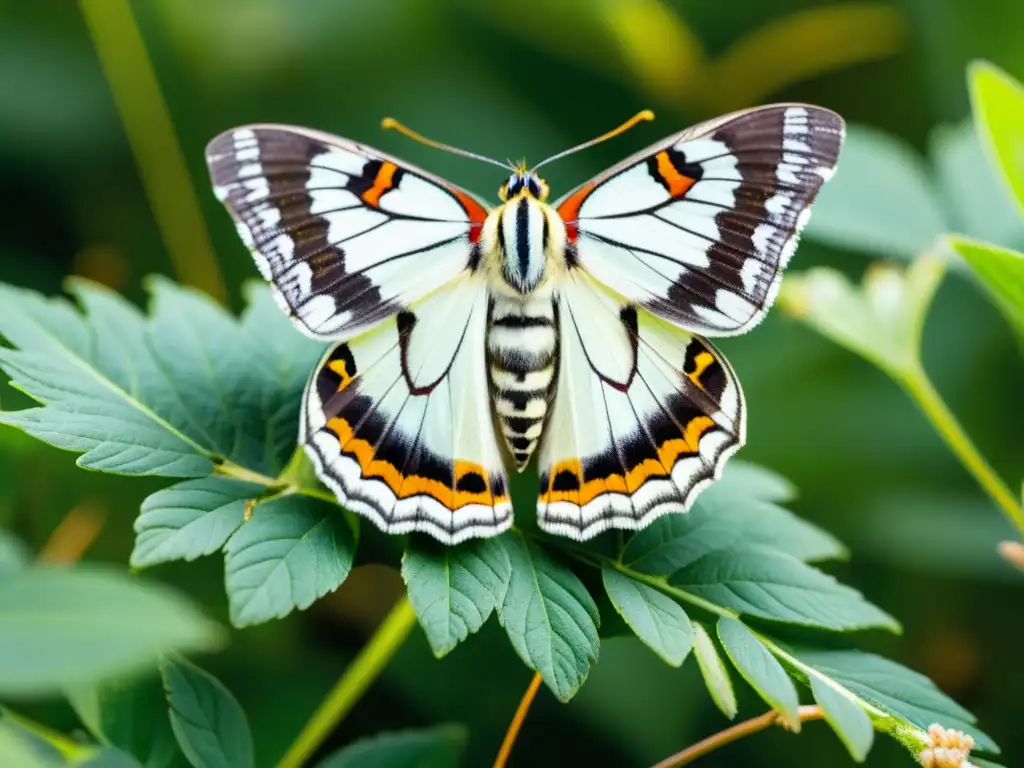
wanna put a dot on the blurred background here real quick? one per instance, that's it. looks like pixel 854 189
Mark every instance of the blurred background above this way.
pixel 92 184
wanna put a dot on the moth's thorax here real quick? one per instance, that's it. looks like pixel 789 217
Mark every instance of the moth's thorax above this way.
pixel 526 238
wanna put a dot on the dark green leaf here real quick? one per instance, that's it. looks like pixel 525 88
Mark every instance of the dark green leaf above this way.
pixel 454 589
pixel 64 627
pixel 130 715
pixel 893 688
pixel 1001 272
pixel 190 519
pixel 108 757
pixel 438 747
pixel 159 395
pixel 761 669
pixel 549 616
pixel 757 581
pixel 850 722
pixel 658 620
pixel 714 672
pixel 207 720
pixel 293 550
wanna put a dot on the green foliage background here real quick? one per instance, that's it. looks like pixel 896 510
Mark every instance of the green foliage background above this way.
pixel 531 78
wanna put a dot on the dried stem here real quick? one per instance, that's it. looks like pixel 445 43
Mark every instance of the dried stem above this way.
pixel 517 722
pixel 729 735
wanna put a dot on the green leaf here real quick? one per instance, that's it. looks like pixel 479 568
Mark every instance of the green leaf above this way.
pixel 899 217
pixel 14 554
pixel 63 627
pixel 1001 273
pixel 997 100
pixel 130 715
pixel 21 748
pixel 159 395
pixel 892 688
pixel 454 589
pixel 714 672
pixel 207 720
pixel 190 519
pixel 437 747
pixel 719 519
pixel 847 718
pixel 881 321
pixel 108 757
pixel 756 581
pixel 549 616
pixel 292 551
pixel 658 620
pixel 760 669
pixel 747 480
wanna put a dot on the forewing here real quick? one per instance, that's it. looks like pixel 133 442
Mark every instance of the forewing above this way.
pixel 397 421
pixel 698 228
pixel 644 417
pixel 346 235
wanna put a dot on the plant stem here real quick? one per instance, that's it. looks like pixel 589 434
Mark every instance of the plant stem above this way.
pixel 353 683
pixel 517 722
pixel 158 154
pixel 73 535
pixel 920 388
pixel 69 749
pixel 729 735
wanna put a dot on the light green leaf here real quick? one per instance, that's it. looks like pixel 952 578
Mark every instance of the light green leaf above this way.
pixel 892 688
pixel 293 550
pixel 998 105
pixel 190 519
pixel 757 581
pixel 714 672
pixel 898 217
pixel 658 620
pixel 64 627
pixel 1001 273
pixel 159 395
pixel 207 720
pixel 437 747
pixel 24 750
pixel 130 714
pixel 847 718
pixel 881 321
pixel 760 669
pixel 454 589
pixel 549 616
pixel 13 553
pixel 744 479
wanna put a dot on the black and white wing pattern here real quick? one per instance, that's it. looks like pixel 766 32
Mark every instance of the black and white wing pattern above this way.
pixel 698 228
pixel 644 417
pixel 398 421
pixel 346 235
pixel 688 237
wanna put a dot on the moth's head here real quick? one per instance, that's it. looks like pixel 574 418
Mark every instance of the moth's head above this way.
pixel 524 182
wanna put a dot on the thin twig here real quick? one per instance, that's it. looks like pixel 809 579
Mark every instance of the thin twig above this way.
pixel 370 662
pixel 73 535
pixel 729 735
pixel 517 722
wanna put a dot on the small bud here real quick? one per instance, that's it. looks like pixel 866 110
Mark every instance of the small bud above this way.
pixel 946 748
pixel 1013 553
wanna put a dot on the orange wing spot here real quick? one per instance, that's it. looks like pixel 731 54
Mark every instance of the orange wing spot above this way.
pixel 678 184
pixel 382 182
pixel 668 453
pixel 338 366
pixel 472 484
pixel 701 363
pixel 477 215
pixel 570 209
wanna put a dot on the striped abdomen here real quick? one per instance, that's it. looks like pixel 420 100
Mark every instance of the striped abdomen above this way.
pixel 522 348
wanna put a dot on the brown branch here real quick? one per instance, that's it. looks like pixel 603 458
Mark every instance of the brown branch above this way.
pixel 73 535
pixel 729 735
pixel 517 722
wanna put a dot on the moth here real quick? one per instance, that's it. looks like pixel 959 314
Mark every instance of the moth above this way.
pixel 471 339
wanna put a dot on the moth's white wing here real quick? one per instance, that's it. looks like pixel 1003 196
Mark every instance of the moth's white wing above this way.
pixel 644 417
pixel 346 235
pixel 698 228
pixel 397 421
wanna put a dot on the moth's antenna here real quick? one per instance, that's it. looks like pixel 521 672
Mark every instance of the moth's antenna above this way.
pixel 390 122
pixel 638 117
